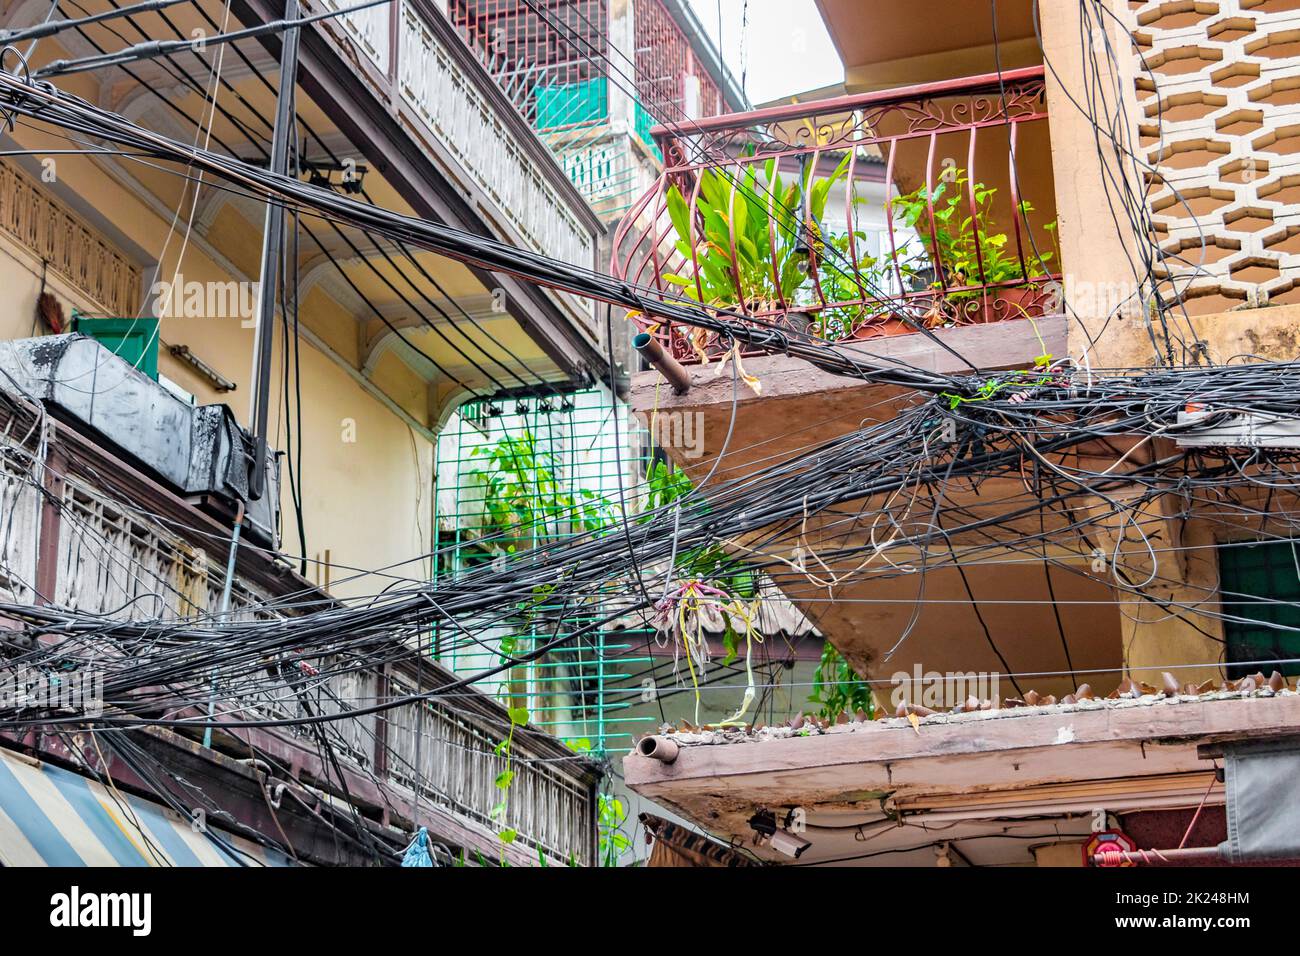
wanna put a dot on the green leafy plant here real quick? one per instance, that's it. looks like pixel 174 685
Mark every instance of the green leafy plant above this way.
pixel 507 834
pixel 613 841
pixel 524 501
pixel 837 689
pixel 751 238
pixel 774 235
pixel 610 816
pixel 839 282
pixel 664 485
pixel 969 248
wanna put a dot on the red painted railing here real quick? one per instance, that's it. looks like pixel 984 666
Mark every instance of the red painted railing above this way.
pixel 854 217
pixel 552 59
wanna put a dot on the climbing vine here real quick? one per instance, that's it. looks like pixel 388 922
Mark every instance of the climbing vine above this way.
pixel 501 812
pixel 524 501
pixel 611 814
pixel 837 688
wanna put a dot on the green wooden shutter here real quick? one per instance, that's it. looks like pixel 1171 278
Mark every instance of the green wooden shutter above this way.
pixel 134 340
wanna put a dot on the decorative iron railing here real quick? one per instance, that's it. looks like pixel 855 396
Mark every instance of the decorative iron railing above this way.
pixel 96 552
pixel 854 217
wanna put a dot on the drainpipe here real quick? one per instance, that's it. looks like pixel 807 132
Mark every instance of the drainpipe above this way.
pixel 657 748
pixel 665 364
pixel 225 610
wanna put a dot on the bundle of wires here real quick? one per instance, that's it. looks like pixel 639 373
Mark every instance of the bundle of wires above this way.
pixel 158 670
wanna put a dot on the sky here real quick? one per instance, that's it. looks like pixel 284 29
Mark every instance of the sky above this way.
pixel 784 45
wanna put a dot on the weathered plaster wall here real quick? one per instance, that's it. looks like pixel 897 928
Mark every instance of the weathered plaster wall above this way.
pixel 367 476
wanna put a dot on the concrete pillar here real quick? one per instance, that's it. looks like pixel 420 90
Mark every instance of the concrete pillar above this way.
pixel 1157 638
pixel 1171 566
pixel 622 43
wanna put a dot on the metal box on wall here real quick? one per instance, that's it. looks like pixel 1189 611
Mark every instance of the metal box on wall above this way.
pixel 198 450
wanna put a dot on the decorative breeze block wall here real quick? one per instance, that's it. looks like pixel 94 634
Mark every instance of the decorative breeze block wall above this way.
pixel 1218 94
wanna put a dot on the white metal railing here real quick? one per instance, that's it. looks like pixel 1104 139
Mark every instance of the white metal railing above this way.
pixel 466 124
pixel 368 27
pixel 111 563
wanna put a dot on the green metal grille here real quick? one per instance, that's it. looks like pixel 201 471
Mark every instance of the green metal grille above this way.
pixel 514 474
pixel 1262 582
pixel 572 104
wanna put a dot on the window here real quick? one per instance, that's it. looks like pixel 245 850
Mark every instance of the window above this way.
pixel 1261 588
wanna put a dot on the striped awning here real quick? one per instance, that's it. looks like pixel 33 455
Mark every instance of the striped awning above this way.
pixel 53 817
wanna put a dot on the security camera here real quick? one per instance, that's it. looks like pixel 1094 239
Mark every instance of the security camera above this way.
pixel 779 838
pixel 791 844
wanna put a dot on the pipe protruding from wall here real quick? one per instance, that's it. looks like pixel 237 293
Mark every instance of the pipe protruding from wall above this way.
pixel 657 748
pixel 661 361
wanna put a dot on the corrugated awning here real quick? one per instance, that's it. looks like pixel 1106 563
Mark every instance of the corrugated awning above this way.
pixel 53 817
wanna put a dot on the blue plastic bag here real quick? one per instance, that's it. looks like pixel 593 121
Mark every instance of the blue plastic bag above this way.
pixel 417 854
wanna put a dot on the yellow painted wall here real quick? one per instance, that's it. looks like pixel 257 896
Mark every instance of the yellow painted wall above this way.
pixel 366 501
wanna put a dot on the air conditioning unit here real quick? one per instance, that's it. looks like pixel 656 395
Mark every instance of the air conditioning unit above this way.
pixel 200 451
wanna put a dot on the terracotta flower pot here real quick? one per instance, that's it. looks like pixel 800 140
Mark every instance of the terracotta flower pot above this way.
pixel 999 305
pixel 879 327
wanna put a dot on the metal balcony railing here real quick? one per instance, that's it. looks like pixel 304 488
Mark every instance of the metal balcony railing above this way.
pixel 411 57
pixel 99 553
pixel 854 217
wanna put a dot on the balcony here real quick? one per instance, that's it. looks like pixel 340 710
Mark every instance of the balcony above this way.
pixel 95 526
pixel 547 61
pixel 432 103
pixel 451 99
pixel 444 96
pixel 911 225
pixel 855 218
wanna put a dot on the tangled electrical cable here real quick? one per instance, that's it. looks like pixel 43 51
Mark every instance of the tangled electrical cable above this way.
pixel 155 669
pixel 957 428
pixel 40 100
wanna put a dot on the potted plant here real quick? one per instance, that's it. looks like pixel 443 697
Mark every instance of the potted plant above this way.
pixel 970 251
pixel 765 266
pixel 873 281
